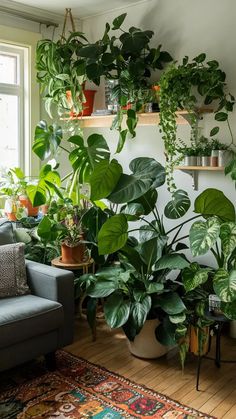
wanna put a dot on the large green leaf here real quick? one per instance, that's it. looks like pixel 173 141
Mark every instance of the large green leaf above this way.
pixel 171 303
pixel 172 261
pixel 116 310
pixel 146 172
pixel 178 206
pixel 101 288
pixel 47 139
pixel 178 318
pixel 84 159
pixel 151 250
pixel 194 276
pixel 229 310
pixel 165 333
pixel 224 284
pixel 117 22
pixel 148 200
pixel 113 234
pixel 203 235
pixel 148 232
pixel 228 238
pixel 140 310
pixel 104 178
pixel 133 211
pixel 47 185
pixel 214 202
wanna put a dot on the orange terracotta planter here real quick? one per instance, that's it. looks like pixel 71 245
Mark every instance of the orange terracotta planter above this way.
pixel 25 202
pixel 74 255
pixel 11 216
pixel 87 105
pixel 194 340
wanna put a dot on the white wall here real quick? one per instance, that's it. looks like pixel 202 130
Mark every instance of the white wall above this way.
pixel 183 27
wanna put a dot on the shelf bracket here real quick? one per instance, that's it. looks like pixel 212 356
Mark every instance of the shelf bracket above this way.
pixel 194 175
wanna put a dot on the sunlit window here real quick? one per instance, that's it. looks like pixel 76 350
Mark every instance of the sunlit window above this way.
pixel 12 106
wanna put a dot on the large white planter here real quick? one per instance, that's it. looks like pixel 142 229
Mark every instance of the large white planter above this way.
pixel 145 344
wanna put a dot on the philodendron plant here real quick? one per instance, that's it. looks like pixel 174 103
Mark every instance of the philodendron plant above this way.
pixel 141 287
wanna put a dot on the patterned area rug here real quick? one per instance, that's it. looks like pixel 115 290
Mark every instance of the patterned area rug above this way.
pixel 80 389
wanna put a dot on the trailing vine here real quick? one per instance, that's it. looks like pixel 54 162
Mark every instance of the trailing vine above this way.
pixel 180 85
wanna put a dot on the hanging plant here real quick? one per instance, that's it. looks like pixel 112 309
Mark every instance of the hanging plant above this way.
pixel 180 87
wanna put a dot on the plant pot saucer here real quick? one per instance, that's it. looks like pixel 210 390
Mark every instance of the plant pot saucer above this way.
pixel 57 262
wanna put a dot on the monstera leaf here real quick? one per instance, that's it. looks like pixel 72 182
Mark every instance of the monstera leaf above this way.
pixel 203 235
pixel 84 158
pixel 47 139
pixel 178 206
pixel 224 284
pixel 147 173
pixel 213 202
pixel 48 184
pixel 113 234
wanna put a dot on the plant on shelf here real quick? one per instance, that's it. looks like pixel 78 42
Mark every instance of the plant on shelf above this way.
pixel 180 87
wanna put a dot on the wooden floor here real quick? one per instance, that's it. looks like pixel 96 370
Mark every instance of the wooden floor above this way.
pixel 217 395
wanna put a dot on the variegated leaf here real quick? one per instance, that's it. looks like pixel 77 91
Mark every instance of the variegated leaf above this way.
pixel 224 284
pixel 228 238
pixel 229 310
pixel 203 235
pixel 192 279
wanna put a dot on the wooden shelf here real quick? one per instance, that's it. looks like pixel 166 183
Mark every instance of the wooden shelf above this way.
pixel 144 119
pixel 201 168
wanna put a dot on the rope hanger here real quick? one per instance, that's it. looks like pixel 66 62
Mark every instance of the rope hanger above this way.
pixel 68 16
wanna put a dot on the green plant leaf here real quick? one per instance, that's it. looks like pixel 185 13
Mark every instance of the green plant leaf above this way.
pixel 224 284
pixel 228 238
pixel 117 22
pixel 200 58
pixel 214 202
pixel 104 178
pixel 221 116
pixel 177 318
pixel 121 142
pixel 214 131
pixel 172 261
pixel 146 172
pixel 229 309
pixel 151 250
pixel 178 206
pixel 133 211
pixel 47 139
pixel 193 277
pixel 171 303
pixel 101 288
pixel 203 235
pixel 113 234
pixel 139 311
pixel 116 310
pixel 147 201
pixel 165 333
pixel 36 193
pixel 84 159
pixel 154 287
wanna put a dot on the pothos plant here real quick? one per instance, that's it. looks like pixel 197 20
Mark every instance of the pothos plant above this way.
pixel 180 86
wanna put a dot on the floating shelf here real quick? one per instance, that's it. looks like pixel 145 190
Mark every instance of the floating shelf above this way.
pixel 193 172
pixel 201 168
pixel 144 119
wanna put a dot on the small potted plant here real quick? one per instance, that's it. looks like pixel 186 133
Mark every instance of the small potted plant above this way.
pixel 221 153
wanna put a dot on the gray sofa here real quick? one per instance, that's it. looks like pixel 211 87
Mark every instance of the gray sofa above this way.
pixel 37 323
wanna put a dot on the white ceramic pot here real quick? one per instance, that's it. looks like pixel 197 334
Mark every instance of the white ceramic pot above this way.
pixel 145 344
pixel 224 157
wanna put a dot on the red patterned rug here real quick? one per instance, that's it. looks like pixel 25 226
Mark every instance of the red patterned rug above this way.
pixel 80 389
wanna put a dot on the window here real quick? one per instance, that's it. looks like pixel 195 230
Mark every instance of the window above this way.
pixel 13 105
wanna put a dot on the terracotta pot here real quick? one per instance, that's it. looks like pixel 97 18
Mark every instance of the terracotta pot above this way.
pixel 11 216
pixel 145 344
pixel 25 202
pixel 194 340
pixel 87 105
pixel 74 255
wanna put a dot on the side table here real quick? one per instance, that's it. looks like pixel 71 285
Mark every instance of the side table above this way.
pixel 85 267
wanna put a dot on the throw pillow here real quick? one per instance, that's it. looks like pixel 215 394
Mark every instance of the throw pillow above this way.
pixel 6 232
pixel 13 279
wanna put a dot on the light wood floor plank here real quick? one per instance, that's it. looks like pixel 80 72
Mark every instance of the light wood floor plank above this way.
pixel 218 386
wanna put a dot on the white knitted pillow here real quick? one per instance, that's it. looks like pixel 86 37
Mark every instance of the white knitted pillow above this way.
pixel 12 270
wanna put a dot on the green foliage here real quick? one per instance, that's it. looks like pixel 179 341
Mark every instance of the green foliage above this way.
pixel 213 202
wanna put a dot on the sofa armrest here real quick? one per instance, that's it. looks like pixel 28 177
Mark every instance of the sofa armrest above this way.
pixel 57 285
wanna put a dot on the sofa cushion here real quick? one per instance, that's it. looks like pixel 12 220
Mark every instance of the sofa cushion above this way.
pixel 6 232
pixel 26 316
pixel 13 279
